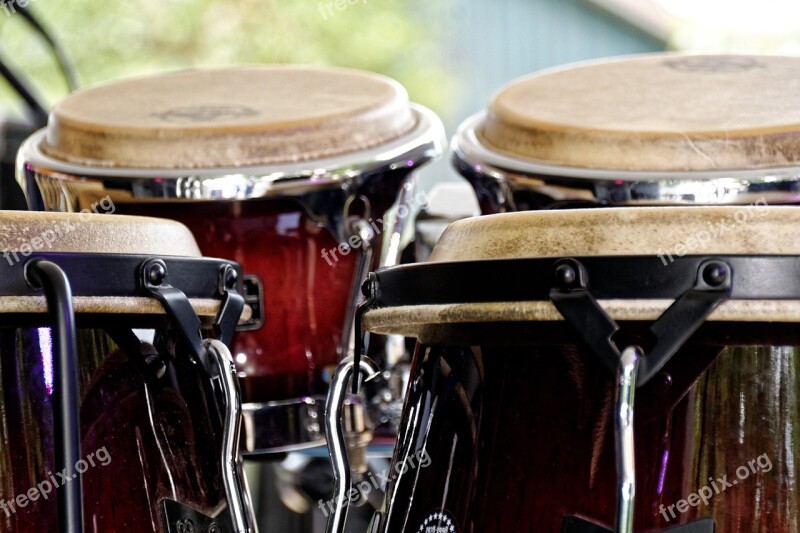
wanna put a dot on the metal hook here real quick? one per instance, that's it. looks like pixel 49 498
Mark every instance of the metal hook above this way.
pixel 233 479
pixel 334 431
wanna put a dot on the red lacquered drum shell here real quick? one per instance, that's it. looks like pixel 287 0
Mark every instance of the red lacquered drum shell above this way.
pixel 520 436
pixel 511 418
pixel 305 298
pixel 149 438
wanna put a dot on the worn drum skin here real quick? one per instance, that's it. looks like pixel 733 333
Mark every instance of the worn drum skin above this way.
pixel 272 166
pixel 519 413
pixel 151 421
pixel 655 129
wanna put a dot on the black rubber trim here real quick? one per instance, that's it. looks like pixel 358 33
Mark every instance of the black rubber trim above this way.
pixel 755 277
pixel 118 274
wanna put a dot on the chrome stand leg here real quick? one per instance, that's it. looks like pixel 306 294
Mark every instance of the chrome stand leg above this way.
pixel 236 490
pixel 626 466
pixel 337 440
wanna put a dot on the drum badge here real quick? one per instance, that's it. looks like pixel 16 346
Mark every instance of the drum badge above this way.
pixel 438 522
pixel 205 113
pixel 713 64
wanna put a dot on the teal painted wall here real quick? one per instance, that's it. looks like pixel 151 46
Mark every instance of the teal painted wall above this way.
pixel 499 40
pixel 492 42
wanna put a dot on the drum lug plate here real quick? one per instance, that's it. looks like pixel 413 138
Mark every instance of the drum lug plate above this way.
pixel 574 524
pixel 180 518
pixel 253 292
pixel 231 306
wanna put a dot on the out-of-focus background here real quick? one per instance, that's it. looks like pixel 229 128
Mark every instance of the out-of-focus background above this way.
pixel 450 54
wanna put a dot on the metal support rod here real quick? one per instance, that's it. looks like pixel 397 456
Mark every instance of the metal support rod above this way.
pixel 232 476
pixel 66 422
pixel 626 464
pixel 334 431
pixel 361 228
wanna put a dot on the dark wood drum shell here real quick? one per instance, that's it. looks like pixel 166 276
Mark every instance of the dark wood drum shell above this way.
pixel 518 420
pixel 150 426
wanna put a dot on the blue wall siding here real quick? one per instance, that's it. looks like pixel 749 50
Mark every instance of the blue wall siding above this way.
pixel 505 39
pixel 495 41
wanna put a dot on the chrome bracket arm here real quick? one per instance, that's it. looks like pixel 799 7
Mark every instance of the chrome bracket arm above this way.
pixel 232 476
pixel 334 431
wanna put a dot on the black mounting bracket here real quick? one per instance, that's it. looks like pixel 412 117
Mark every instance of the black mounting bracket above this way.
pixel 573 299
pixel 231 307
pixel 153 279
pixel 253 293
pixel 370 290
pixel 576 304
pixel 180 518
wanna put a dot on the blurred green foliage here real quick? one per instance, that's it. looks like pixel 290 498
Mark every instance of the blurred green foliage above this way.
pixel 114 39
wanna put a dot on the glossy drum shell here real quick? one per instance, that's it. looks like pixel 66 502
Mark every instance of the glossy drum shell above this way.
pixel 518 423
pixel 157 432
pixel 306 296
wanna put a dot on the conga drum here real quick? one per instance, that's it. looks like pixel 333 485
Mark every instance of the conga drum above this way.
pixel 120 404
pixel 567 380
pixel 661 129
pixel 303 175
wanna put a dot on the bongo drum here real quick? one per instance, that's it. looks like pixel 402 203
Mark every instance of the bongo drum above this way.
pixel 303 175
pixel 566 379
pixel 659 129
pixel 120 411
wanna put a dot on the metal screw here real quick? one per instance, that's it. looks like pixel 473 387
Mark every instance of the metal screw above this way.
pixel 156 274
pixel 156 365
pixel 231 277
pixel 214 528
pixel 715 274
pixel 185 526
pixel 566 275
pixel 366 287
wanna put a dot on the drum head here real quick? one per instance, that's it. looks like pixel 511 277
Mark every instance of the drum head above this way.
pixel 93 233
pixel 664 112
pixel 472 251
pixel 232 117
pixel 633 231
pixel 25 235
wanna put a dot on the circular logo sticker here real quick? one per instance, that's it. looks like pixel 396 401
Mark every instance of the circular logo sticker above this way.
pixel 713 64
pixel 438 522
pixel 205 113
